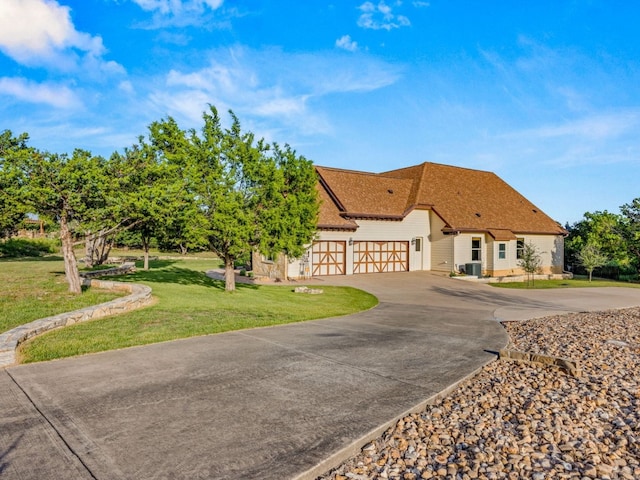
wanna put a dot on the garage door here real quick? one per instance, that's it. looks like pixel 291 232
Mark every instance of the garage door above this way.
pixel 328 258
pixel 378 257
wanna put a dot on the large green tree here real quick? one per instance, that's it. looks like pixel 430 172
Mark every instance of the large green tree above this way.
pixel 287 205
pixel 248 194
pixel 70 190
pixel 604 230
pixel 151 194
pixel 13 151
pixel 181 230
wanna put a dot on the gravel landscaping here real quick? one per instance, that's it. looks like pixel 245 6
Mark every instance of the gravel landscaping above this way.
pixel 522 421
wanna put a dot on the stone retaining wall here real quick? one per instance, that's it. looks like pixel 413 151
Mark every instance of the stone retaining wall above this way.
pixel 139 296
pixel 125 268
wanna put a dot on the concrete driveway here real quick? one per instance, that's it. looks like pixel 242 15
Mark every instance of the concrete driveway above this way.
pixel 281 402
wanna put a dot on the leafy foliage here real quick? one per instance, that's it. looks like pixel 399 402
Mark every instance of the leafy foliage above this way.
pixel 530 261
pixel 247 194
pixel 617 236
pixel 21 247
pixel 603 230
pixel 12 179
pixel 590 257
pixel 69 190
pixel 631 229
pixel 222 189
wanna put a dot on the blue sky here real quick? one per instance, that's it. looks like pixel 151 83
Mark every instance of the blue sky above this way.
pixel 544 93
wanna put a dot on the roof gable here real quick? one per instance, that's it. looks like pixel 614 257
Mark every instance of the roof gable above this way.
pixel 329 217
pixel 366 195
pixel 469 199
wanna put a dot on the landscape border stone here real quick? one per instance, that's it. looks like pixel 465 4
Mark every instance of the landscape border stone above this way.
pixel 139 297
pixel 126 267
pixel 570 367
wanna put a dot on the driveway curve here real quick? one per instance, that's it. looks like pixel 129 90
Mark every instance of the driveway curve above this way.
pixel 280 402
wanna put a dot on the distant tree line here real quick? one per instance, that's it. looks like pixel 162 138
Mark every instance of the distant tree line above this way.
pixel 219 189
pixel 606 242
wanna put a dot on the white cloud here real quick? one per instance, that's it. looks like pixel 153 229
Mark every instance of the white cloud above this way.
pixel 32 30
pixel 126 86
pixel 58 96
pixel 595 139
pixel 232 86
pixel 270 86
pixel 41 32
pixel 178 7
pixel 380 17
pixel 178 12
pixel 346 43
pixel 592 128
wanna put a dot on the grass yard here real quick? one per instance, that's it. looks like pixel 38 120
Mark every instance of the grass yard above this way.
pixel 36 288
pixel 577 282
pixel 190 304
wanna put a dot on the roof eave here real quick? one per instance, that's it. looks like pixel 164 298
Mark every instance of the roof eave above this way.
pixel 348 228
pixel 372 216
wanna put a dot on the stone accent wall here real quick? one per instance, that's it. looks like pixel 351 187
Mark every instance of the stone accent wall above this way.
pixel 273 270
pixel 139 296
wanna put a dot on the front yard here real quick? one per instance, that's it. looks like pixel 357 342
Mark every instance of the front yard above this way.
pixel 188 304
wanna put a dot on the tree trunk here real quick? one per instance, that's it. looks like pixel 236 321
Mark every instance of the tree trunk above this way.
pixel 229 276
pixel 145 247
pixel 97 248
pixel 89 249
pixel 70 263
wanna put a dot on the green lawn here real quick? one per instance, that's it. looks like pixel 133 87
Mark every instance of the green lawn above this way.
pixel 33 289
pixel 190 304
pixel 577 282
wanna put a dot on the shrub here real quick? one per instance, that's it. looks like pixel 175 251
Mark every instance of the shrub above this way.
pixel 22 247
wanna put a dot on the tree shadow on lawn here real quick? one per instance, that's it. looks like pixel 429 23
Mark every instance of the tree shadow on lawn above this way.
pixel 47 258
pixel 179 276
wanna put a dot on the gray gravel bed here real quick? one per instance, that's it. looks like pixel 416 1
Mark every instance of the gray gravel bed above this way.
pixel 518 421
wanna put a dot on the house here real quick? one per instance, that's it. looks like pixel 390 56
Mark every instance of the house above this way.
pixel 425 217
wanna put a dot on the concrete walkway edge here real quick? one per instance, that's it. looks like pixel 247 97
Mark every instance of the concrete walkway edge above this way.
pixel 356 446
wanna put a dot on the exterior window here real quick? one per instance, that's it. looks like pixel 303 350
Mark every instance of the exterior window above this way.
pixel 519 248
pixel 418 244
pixel 502 251
pixel 476 249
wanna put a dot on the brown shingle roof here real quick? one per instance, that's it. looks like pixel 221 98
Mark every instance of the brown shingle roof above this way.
pixel 366 195
pixel 466 199
pixel 329 217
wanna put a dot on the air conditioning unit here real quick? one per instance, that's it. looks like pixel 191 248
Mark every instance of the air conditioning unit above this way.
pixel 474 268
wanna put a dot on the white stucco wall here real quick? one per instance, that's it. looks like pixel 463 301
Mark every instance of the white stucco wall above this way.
pixel 414 225
pixel 462 250
pixel 440 252
pixel 551 249
pixel 441 246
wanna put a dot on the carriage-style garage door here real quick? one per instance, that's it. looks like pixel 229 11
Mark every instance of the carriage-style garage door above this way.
pixel 328 258
pixel 378 257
